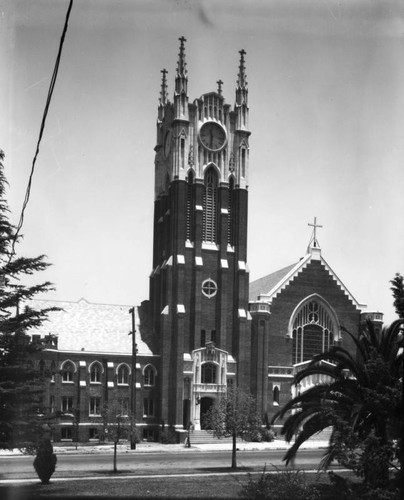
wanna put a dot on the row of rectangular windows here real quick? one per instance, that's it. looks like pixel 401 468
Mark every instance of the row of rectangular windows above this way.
pixel 95 407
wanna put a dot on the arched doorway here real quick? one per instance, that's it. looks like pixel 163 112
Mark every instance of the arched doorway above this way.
pixel 206 404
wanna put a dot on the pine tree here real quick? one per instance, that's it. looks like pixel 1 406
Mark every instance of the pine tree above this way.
pixel 21 385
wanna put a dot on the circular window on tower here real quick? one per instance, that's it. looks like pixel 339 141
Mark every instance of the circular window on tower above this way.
pixel 209 288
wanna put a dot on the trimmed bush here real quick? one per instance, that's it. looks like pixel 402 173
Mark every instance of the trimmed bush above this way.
pixel 45 461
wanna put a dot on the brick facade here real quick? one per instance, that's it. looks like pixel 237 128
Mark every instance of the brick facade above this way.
pixel 204 327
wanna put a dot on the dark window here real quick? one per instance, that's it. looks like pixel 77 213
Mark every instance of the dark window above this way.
pixel 67 404
pixel 93 433
pixel 213 336
pixel 95 406
pixel 67 433
pixel 149 376
pixel 208 373
pixel 68 372
pixel 53 370
pixel 123 375
pixel 148 407
pixel 52 405
pixel 95 373
pixel 243 162
pixel 275 396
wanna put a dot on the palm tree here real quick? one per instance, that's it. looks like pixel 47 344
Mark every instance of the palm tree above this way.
pixel 359 397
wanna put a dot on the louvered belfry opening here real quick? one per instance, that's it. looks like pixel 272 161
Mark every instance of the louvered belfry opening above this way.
pixel 190 205
pixel 209 206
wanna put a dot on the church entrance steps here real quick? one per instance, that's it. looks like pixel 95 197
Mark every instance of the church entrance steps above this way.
pixel 205 437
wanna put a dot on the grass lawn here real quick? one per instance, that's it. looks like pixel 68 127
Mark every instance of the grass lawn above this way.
pixel 212 486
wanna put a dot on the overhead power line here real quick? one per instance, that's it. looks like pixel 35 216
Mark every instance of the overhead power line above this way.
pixel 45 113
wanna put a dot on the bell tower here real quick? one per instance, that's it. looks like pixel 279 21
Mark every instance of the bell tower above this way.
pixel 199 280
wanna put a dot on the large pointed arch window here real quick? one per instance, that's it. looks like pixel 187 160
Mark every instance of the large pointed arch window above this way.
pixel 314 330
pixel 209 206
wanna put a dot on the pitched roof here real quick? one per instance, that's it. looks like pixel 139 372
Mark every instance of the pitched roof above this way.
pixel 263 285
pixel 90 327
pixel 268 287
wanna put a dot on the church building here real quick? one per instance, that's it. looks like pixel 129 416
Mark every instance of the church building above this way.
pixel 204 326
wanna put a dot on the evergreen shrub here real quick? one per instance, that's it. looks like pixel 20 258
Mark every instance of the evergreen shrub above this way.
pixel 45 461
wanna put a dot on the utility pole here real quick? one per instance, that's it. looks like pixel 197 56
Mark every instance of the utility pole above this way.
pixel 133 386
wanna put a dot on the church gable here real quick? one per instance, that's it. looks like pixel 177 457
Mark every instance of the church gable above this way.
pixel 269 287
pixel 312 291
pixel 314 278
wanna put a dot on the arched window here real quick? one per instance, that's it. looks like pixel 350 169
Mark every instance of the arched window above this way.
pixel 275 396
pixel 123 375
pixel 53 371
pixel 209 206
pixel 68 370
pixel 243 162
pixel 314 330
pixel 95 373
pixel 190 205
pixel 149 375
pixel 230 218
pixel 209 373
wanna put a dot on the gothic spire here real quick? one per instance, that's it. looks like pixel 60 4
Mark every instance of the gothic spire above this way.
pixel 241 89
pixel 163 91
pixel 182 65
pixel 241 81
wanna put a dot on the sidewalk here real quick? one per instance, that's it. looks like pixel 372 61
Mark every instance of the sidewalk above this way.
pixel 277 444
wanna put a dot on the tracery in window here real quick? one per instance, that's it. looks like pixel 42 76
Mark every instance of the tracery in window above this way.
pixel 123 375
pixel 67 371
pixel 95 373
pixel 314 330
pixel 209 288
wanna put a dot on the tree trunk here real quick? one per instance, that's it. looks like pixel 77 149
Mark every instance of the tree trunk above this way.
pixel 115 468
pixel 234 451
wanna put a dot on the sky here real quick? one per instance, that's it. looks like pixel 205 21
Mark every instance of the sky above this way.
pixel 326 98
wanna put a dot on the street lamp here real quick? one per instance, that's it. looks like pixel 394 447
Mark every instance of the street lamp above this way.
pixel 133 387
